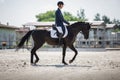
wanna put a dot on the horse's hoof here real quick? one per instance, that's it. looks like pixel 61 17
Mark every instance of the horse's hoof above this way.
pixel 65 63
pixel 36 61
pixel 33 64
pixel 70 61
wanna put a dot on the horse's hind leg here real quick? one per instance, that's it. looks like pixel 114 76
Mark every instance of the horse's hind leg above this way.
pixel 73 48
pixel 33 53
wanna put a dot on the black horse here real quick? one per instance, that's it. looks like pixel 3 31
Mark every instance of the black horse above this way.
pixel 42 36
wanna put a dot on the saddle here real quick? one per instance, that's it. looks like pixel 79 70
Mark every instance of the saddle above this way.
pixel 54 32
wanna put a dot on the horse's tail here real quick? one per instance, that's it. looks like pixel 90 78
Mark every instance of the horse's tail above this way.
pixel 24 38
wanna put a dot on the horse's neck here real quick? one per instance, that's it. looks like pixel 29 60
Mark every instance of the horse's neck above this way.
pixel 76 30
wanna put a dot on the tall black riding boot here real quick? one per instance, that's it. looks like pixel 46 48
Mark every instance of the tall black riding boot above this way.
pixel 60 39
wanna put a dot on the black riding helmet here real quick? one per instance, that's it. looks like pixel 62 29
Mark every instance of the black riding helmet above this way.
pixel 60 3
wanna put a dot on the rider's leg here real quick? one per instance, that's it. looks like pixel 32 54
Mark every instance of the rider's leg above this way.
pixel 61 35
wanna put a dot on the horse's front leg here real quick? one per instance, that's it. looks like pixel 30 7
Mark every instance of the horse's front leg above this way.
pixel 63 54
pixel 73 48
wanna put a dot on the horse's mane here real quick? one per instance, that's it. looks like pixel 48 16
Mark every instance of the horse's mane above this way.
pixel 78 23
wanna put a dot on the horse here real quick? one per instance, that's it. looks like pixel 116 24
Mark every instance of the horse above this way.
pixel 41 36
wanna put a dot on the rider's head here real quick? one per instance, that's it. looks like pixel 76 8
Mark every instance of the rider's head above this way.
pixel 60 4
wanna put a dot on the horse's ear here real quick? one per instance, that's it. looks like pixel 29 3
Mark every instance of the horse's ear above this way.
pixel 90 24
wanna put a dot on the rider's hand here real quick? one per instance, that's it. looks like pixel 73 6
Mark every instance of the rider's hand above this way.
pixel 68 24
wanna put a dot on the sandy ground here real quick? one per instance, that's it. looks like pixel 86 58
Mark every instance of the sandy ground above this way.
pixel 90 65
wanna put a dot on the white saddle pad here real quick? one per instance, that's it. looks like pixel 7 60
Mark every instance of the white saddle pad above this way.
pixel 53 33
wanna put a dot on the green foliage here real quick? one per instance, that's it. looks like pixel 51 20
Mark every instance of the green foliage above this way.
pixel 50 16
pixel 97 17
pixel 116 21
pixel 69 17
pixel 116 30
pixel 81 15
pixel 106 19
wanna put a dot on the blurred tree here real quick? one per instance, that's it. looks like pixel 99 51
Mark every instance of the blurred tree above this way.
pixel 47 16
pixel 81 15
pixel 97 17
pixel 106 19
pixel 69 17
pixel 116 21
pixel 50 16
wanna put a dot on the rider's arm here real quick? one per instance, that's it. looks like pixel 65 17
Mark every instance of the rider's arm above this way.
pixel 62 18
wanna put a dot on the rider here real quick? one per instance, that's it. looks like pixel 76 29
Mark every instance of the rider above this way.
pixel 59 20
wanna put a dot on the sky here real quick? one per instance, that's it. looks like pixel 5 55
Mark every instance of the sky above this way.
pixel 19 12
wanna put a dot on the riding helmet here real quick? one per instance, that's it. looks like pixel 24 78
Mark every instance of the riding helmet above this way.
pixel 60 3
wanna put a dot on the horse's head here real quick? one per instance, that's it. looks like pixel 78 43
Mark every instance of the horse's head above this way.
pixel 85 29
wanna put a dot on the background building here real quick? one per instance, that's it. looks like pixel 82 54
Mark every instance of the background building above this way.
pixel 7 35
